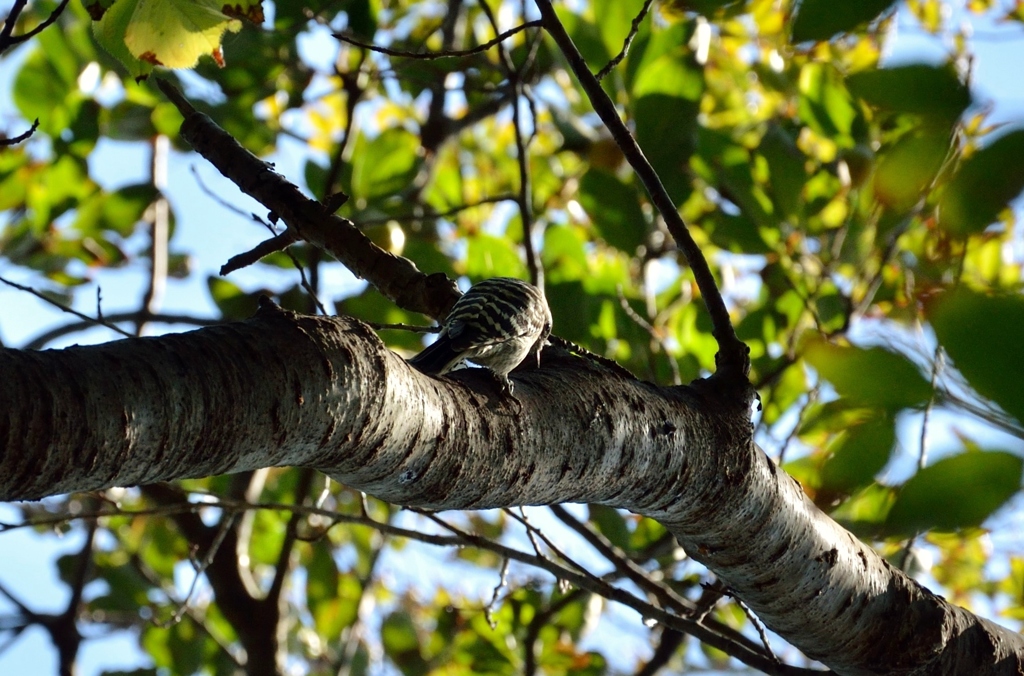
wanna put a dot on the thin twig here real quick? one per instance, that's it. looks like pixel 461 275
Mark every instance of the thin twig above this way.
pixel 397 278
pixel 677 378
pixel 404 327
pixel 625 567
pixel 197 617
pixel 524 197
pixel 438 55
pixel 938 362
pixel 43 339
pixel 634 27
pixel 12 18
pixel 720 637
pixel 254 255
pixel 502 583
pixel 437 214
pixel 199 567
pixel 733 359
pixel 23 136
pixel 291 536
pixel 7 40
pixel 65 308
pixel 760 629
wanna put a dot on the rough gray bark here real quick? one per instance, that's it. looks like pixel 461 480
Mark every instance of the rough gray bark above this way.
pixel 284 389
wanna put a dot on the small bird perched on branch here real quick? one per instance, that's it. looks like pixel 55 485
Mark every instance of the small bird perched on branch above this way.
pixel 498 323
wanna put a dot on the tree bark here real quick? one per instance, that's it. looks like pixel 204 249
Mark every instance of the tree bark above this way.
pixel 323 392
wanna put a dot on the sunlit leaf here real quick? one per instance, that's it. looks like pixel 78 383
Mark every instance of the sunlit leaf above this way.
pixel 825 105
pixel 491 256
pixel 385 165
pixel 233 302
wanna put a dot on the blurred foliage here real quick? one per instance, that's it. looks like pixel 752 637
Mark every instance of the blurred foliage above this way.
pixel 840 201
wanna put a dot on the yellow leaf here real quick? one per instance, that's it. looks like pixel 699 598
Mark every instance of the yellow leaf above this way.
pixel 175 33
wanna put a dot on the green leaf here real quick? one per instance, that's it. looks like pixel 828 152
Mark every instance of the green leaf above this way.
pixel 933 91
pixel 859 454
pixel 386 165
pixel 982 336
pixel 821 19
pixel 613 19
pixel 705 7
pixel 866 510
pixel 615 209
pixel 666 129
pixel 957 492
pixel 985 184
pixel 110 29
pixel 872 376
pixel 736 233
pixel 124 208
pixel 585 34
pixel 41 93
pixel 491 256
pixel 372 306
pixel 175 33
pixel 362 17
pixel 825 104
pixel 321 575
pixel 130 121
pixel 573 309
pixel 564 253
pixel 402 644
pixel 787 167
pixel 611 524
pixel 833 307
pixel 230 299
pixel 906 170
pixel 670 75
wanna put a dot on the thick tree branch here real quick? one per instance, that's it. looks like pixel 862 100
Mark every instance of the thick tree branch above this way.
pixel 395 277
pixel 322 392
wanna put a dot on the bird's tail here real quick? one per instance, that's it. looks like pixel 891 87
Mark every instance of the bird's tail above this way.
pixel 436 358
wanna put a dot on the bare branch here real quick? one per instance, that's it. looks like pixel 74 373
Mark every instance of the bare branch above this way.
pixel 448 54
pixel 397 278
pixel 43 339
pixel 634 27
pixel 6 40
pixel 23 136
pixel 714 634
pixel 733 357
pixel 64 308
pixel 264 248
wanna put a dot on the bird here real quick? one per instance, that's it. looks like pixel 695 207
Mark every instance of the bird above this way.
pixel 498 323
